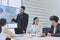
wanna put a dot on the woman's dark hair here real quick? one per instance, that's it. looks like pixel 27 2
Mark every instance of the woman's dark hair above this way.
pixel 55 18
pixel 34 19
pixel 2 23
pixel 23 7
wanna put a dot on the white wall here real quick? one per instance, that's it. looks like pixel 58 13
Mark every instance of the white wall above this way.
pixel 15 3
pixel 11 3
pixel 40 8
pixel 0 2
pixel 4 2
pixel 57 8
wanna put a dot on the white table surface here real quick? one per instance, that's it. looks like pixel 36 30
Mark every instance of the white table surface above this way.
pixel 37 38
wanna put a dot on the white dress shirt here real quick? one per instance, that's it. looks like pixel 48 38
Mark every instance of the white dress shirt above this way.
pixel 35 29
pixel 54 30
pixel 3 36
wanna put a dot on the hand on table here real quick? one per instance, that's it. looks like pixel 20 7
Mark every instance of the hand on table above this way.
pixel 48 34
pixel 23 31
pixel 43 35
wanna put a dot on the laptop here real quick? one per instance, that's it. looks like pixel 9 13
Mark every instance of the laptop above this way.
pixel 18 32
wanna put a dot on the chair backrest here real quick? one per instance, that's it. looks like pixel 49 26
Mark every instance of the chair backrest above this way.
pixel 45 30
pixel 0 29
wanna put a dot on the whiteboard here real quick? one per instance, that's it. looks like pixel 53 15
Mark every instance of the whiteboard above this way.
pixel 7 12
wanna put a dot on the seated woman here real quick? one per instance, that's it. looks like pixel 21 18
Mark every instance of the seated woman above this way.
pixel 4 32
pixel 35 28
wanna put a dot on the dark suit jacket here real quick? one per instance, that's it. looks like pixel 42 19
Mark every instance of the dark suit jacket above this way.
pixel 0 29
pixel 57 29
pixel 22 21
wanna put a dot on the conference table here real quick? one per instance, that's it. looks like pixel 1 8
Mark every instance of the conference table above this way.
pixel 27 37
pixel 35 38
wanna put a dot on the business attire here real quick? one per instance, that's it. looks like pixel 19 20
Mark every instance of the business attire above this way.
pixel 22 20
pixel 35 29
pixel 54 29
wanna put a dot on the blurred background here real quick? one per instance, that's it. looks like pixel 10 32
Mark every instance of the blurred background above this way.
pixel 35 8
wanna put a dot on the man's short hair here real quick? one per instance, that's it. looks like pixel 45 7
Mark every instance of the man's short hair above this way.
pixel 23 7
pixel 55 18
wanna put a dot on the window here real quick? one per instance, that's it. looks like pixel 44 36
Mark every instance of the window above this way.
pixel 0 2
pixel 15 3
pixel 4 2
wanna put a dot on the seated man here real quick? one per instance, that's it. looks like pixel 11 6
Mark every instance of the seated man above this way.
pixel 55 26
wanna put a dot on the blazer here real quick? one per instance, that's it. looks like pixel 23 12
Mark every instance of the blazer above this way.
pixel 57 29
pixel 21 20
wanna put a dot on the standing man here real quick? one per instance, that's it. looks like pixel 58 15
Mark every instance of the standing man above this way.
pixel 22 19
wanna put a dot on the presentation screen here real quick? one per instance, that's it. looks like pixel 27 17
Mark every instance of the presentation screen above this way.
pixel 6 12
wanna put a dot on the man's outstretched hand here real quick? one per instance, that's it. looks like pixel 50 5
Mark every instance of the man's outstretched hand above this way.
pixel 11 17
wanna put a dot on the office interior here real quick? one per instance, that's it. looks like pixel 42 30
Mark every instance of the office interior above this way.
pixel 42 9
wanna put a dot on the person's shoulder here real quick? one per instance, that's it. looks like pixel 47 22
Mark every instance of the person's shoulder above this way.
pixel 26 14
pixel 32 26
pixel 17 14
pixel 58 24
